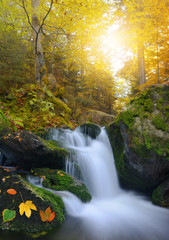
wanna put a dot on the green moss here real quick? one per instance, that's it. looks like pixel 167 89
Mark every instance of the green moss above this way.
pixel 146 94
pixel 147 140
pixel 41 198
pixel 60 181
pixel 148 105
pixel 48 197
pixel 127 118
pixel 145 115
pixel 159 123
pixel 4 124
pixel 157 196
pixel 160 103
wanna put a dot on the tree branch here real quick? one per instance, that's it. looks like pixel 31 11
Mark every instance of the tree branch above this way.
pixel 43 21
pixel 23 5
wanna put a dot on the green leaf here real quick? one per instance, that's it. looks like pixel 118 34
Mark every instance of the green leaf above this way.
pixel 8 215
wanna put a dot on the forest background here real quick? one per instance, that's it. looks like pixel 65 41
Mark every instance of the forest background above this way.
pixel 60 59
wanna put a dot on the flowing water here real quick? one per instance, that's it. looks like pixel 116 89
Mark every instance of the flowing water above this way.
pixel 112 214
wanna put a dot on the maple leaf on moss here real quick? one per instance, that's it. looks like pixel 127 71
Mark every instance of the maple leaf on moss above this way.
pixel 26 207
pixel 48 215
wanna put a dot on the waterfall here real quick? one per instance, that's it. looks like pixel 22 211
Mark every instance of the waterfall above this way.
pixel 112 214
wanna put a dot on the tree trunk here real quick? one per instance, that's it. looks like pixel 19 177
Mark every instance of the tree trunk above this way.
pixel 38 49
pixel 141 64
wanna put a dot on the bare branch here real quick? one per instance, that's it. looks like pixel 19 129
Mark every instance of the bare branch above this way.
pixel 23 5
pixel 43 21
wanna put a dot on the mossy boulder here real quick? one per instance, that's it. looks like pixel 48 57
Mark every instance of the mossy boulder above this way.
pixel 160 195
pixel 26 150
pixel 140 140
pixel 41 198
pixel 60 181
pixel 95 116
pixel 90 129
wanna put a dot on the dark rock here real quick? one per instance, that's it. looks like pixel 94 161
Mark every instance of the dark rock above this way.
pixel 41 198
pixel 60 181
pixel 161 194
pixel 26 150
pixel 139 139
pixel 2 159
pixel 90 129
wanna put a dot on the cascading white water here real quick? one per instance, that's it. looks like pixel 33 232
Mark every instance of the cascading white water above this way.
pixel 112 214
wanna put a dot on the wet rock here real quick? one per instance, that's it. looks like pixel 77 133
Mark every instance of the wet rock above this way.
pixel 90 129
pixel 160 195
pixel 60 181
pixel 97 117
pixel 140 137
pixel 41 198
pixel 26 150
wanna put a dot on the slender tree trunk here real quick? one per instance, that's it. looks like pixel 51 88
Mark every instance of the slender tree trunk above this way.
pixel 158 76
pixel 141 64
pixel 38 49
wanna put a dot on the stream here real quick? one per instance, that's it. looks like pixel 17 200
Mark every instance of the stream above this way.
pixel 113 213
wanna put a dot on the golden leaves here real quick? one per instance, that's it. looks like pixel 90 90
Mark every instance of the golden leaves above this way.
pixel 26 207
pixel 48 215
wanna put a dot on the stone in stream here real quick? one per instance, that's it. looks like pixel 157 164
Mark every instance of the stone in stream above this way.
pixel 140 140
pixel 26 150
pixel 41 198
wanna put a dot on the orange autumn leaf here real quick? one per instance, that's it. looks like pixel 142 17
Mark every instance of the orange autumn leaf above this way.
pixel 48 215
pixel 7 170
pixel 11 191
pixel 52 216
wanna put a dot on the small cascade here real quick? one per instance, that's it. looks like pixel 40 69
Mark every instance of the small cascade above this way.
pixel 112 214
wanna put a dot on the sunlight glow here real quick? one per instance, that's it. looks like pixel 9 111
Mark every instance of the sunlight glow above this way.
pixel 113 46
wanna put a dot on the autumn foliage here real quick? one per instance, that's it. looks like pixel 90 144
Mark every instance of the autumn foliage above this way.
pixel 47 215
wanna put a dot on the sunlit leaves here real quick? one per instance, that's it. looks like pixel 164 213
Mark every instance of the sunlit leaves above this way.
pixel 47 215
pixel 8 215
pixel 26 207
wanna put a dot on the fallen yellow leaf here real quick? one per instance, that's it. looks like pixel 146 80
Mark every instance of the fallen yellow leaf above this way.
pixel 26 207
pixel 3 179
